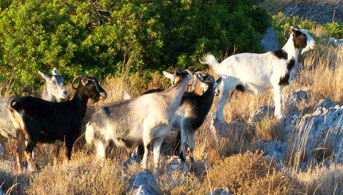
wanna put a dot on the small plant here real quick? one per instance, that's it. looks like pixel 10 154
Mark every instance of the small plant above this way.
pixel 179 182
pixel 10 182
pixel 250 173
pixel 269 129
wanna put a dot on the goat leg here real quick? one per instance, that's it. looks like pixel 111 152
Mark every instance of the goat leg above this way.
pixel 223 99
pixel 69 146
pixel 28 155
pixel 57 151
pixel 183 145
pixel 157 147
pixel 20 150
pixel 191 144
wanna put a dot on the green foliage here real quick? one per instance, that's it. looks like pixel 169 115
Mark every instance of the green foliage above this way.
pixel 335 29
pixel 112 38
pixel 281 22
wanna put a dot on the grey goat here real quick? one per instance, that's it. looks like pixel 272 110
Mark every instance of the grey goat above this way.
pixel 145 119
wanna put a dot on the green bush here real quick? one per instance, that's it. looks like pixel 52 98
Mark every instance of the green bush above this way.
pixel 115 37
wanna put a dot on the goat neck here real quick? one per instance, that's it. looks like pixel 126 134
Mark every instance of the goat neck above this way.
pixel 289 48
pixel 80 98
pixel 175 94
pixel 209 94
pixel 46 96
pixel 205 101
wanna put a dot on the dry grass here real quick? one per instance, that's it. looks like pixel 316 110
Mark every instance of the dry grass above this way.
pixel 12 182
pixel 250 173
pixel 269 129
pixel 322 179
pixel 83 175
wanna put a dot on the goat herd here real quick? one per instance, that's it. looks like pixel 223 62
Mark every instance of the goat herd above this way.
pixel 148 118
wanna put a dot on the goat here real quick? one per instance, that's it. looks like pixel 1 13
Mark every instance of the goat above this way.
pixel 193 108
pixel 145 119
pixel 38 120
pixel 257 73
pixel 54 89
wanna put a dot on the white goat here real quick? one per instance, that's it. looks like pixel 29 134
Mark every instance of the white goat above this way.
pixel 145 119
pixel 257 73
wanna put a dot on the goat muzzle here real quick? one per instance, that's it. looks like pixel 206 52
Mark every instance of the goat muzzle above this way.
pixel 103 95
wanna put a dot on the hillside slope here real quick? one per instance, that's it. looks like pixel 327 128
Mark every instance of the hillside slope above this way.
pixel 321 11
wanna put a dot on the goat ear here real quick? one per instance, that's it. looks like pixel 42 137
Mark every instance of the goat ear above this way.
pixel 293 29
pixel 55 72
pixel 126 95
pixel 219 80
pixel 45 76
pixel 84 82
pixel 168 75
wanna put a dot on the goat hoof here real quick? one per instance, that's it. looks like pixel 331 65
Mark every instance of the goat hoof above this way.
pixel 280 116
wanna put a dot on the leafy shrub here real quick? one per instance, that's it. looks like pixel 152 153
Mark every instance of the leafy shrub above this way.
pixel 112 38
pixel 335 29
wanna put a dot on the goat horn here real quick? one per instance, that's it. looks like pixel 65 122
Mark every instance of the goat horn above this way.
pixel 80 77
pixel 211 77
pixel 189 72
pixel 200 76
pixel 284 33
pixel 295 27
pixel 290 28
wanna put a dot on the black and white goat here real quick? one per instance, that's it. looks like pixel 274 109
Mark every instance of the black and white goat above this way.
pixel 257 73
pixel 143 120
pixel 38 120
pixel 193 109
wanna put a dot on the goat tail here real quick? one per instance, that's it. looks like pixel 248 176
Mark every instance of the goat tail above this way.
pixel 211 61
pixel 15 115
pixel 89 134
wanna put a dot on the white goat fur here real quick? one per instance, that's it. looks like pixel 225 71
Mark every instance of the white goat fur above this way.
pixel 257 73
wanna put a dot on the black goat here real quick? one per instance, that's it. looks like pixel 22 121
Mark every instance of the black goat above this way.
pixel 41 121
